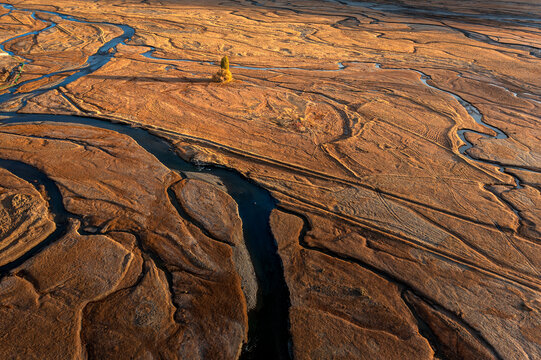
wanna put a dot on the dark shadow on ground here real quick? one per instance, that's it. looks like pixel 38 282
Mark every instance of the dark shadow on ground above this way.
pixel 154 79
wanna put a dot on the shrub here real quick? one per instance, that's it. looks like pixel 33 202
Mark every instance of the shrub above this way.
pixel 223 75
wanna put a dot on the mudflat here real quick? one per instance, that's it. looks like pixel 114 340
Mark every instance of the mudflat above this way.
pixel 367 186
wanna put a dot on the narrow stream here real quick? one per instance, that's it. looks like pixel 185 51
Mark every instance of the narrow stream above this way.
pixel 150 55
pixel 56 207
pixel 269 333
pixel 269 330
pixel 397 7
pixel 94 62
pixel 478 118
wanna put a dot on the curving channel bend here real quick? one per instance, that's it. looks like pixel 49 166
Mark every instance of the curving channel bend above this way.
pixel 94 62
pixel 268 322
pixel 477 116
pixel 268 335
pixel 268 332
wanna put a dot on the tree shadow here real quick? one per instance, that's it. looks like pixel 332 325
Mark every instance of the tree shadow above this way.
pixel 183 79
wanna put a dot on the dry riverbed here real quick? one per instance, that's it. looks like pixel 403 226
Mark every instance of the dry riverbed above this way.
pixel 384 204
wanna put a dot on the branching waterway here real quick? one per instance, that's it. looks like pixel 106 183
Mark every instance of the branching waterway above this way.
pixel 94 62
pixel 477 116
pixel 268 322
pixel 269 330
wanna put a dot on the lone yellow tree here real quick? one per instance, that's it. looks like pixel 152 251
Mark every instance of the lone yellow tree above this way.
pixel 223 75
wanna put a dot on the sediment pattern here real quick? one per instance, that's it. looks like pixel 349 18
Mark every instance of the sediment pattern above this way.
pixel 385 202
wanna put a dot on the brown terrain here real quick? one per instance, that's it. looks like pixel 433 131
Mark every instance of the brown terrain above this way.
pixel 385 200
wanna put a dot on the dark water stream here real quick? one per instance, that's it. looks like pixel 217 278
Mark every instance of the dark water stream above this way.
pixel 94 62
pixel 478 118
pixel 56 207
pixel 269 330
pixel 150 54
pixel 399 7
pixel 269 335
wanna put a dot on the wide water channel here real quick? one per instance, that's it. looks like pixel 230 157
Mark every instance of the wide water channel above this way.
pixel 269 329
pixel 268 336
